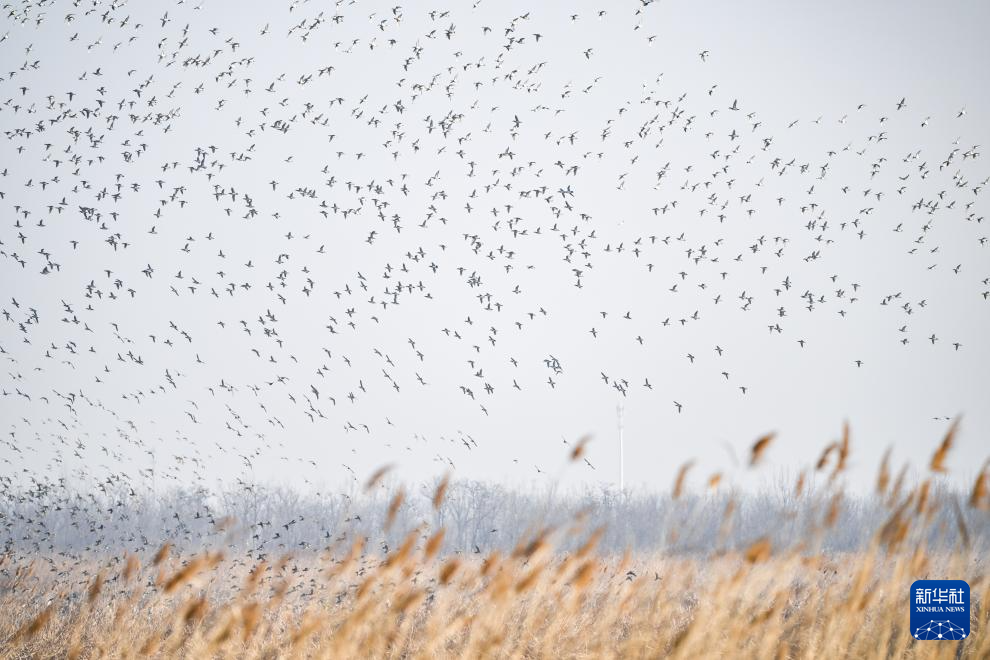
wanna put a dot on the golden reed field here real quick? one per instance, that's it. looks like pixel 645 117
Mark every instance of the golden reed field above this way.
pixel 537 601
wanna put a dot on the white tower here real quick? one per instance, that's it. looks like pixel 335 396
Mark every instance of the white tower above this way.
pixel 622 461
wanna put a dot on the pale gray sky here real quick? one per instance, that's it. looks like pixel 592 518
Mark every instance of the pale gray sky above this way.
pixel 472 108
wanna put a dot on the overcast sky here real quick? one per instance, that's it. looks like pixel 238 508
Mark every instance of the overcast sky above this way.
pixel 745 183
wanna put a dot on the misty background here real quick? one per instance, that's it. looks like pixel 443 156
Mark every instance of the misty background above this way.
pixel 214 97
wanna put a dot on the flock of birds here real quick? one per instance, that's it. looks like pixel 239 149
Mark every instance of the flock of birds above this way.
pixel 217 233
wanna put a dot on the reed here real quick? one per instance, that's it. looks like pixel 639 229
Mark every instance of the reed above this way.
pixel 541 600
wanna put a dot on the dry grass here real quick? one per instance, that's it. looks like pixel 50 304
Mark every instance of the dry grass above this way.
pixel 534 603
pixel 537 601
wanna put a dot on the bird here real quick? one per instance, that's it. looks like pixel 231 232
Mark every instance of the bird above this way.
pixel 246 247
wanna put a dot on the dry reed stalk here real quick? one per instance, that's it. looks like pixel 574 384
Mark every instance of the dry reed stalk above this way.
pixel 759 448
pixel 433 544
pixel 842 463
pixel 679 481
pixel 883 476
pixel 979 497
pixel 579 448
pixel 834 508
pixel 440 492
pixel 759 551
pixel 377 476
pixel 162 554
pixel 938 458
pixel 393 508
pixel 823 459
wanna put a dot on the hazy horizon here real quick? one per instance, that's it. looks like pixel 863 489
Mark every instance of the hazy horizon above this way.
pixel 426 231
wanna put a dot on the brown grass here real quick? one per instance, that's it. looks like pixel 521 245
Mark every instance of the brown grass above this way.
pixel 759 601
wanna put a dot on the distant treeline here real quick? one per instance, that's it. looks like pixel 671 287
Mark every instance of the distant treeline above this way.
pixel 477 517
